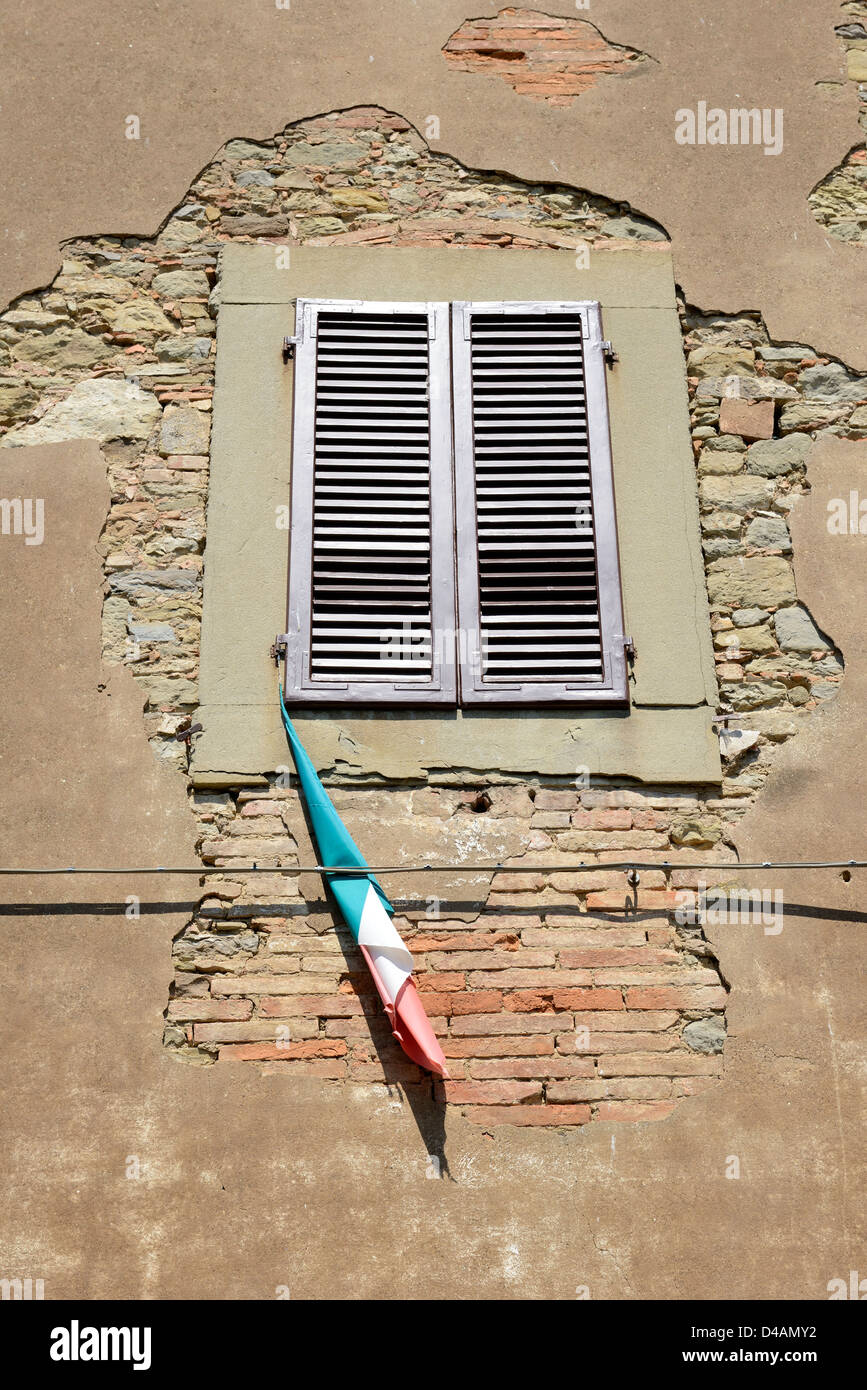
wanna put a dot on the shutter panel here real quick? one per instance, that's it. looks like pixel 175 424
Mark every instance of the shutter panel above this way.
pixel 539 597
pixel 371 567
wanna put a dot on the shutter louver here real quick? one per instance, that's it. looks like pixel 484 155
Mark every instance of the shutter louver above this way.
pixel 537 552
pixel 371 565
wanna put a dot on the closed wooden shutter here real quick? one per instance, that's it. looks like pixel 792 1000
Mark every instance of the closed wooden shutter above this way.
pixel 539 600
pixel 371 573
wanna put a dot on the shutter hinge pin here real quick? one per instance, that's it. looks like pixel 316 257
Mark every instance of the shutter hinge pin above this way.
pixel 608 352
pixel 279 647
pixel 288 349
pixel 629 648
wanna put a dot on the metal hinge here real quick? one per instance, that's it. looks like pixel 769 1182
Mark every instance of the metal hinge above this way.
pixel 629 648
pixel 289 346
pixel 280 647
pixel 608 352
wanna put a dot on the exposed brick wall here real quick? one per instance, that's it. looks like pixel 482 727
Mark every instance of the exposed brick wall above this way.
pixel 121 345
pixel 564 999
pixel 542 56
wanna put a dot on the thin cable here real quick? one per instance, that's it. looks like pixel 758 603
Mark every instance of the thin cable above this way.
pixel 625 866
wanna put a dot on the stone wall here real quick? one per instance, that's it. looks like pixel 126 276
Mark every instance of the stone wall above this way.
pixel 839 201
pixel 561 996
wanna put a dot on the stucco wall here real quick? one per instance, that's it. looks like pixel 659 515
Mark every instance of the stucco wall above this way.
pixel 244 1181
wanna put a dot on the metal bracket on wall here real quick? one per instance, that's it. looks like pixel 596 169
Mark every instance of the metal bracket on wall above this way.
pixel 279 647
pixel 608 352
pixel 288 348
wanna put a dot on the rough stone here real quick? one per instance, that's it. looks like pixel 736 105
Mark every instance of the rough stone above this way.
pixel 183 349
pixel 772 457
pixel 719 461
pixel 705 1035
pixel 796 631
pixel 184 430
pixel 768 533
pixel 833 383
pixel 725 443
pixel 751 639
pixel 748 617
pixel 72 347
pixel 100 409
pixel 115 612
pixel 735 742
pixel 763 581
pixel 16 399
pixel 697 832
pixel 139 316
pixel 363 198
pixel 751 388
pixel 334 154
pixel 717 361
pixel 183 284
pixel 722 523
pixel 134 582
pixel 254 178
pixel 811 415
pixel 295 180
pixel 151 632
pixel 247 149
pixel 740 494
pixel 251 224
pixel 751 419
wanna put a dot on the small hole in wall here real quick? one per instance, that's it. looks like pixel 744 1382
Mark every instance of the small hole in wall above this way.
pixel 846 876
pixel 505 55
pixel 480 802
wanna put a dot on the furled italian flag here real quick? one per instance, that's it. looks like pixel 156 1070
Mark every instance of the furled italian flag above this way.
pixel 366 910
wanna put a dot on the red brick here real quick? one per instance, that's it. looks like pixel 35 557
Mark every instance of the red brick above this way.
pixel 253 1030
pixel 645 900
pixel 367 1027
pixel 493 960
pixel 618 1042
pixel 594 999
pixel 562 932
pixel 555 801
pixel 311 1005
pixel 290 1052
pixel 528 1114
pixel 462 941
pixel 646 819
pixel 570 1092
pixel 208 1010
pixel 475 1002
pixel 529 979
pixel 675 976
pixel 434 983
pixel 602 820
pixel 618 955
pixel 689 997
pixel 649 1020
pixel 490 1025
pixel 543 1067
pixel 518 883
pixel 634 1110
pixel 658 1064
pixel 538 1046
pixel 490 1092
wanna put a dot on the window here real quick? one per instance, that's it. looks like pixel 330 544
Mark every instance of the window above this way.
pixel 453 535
